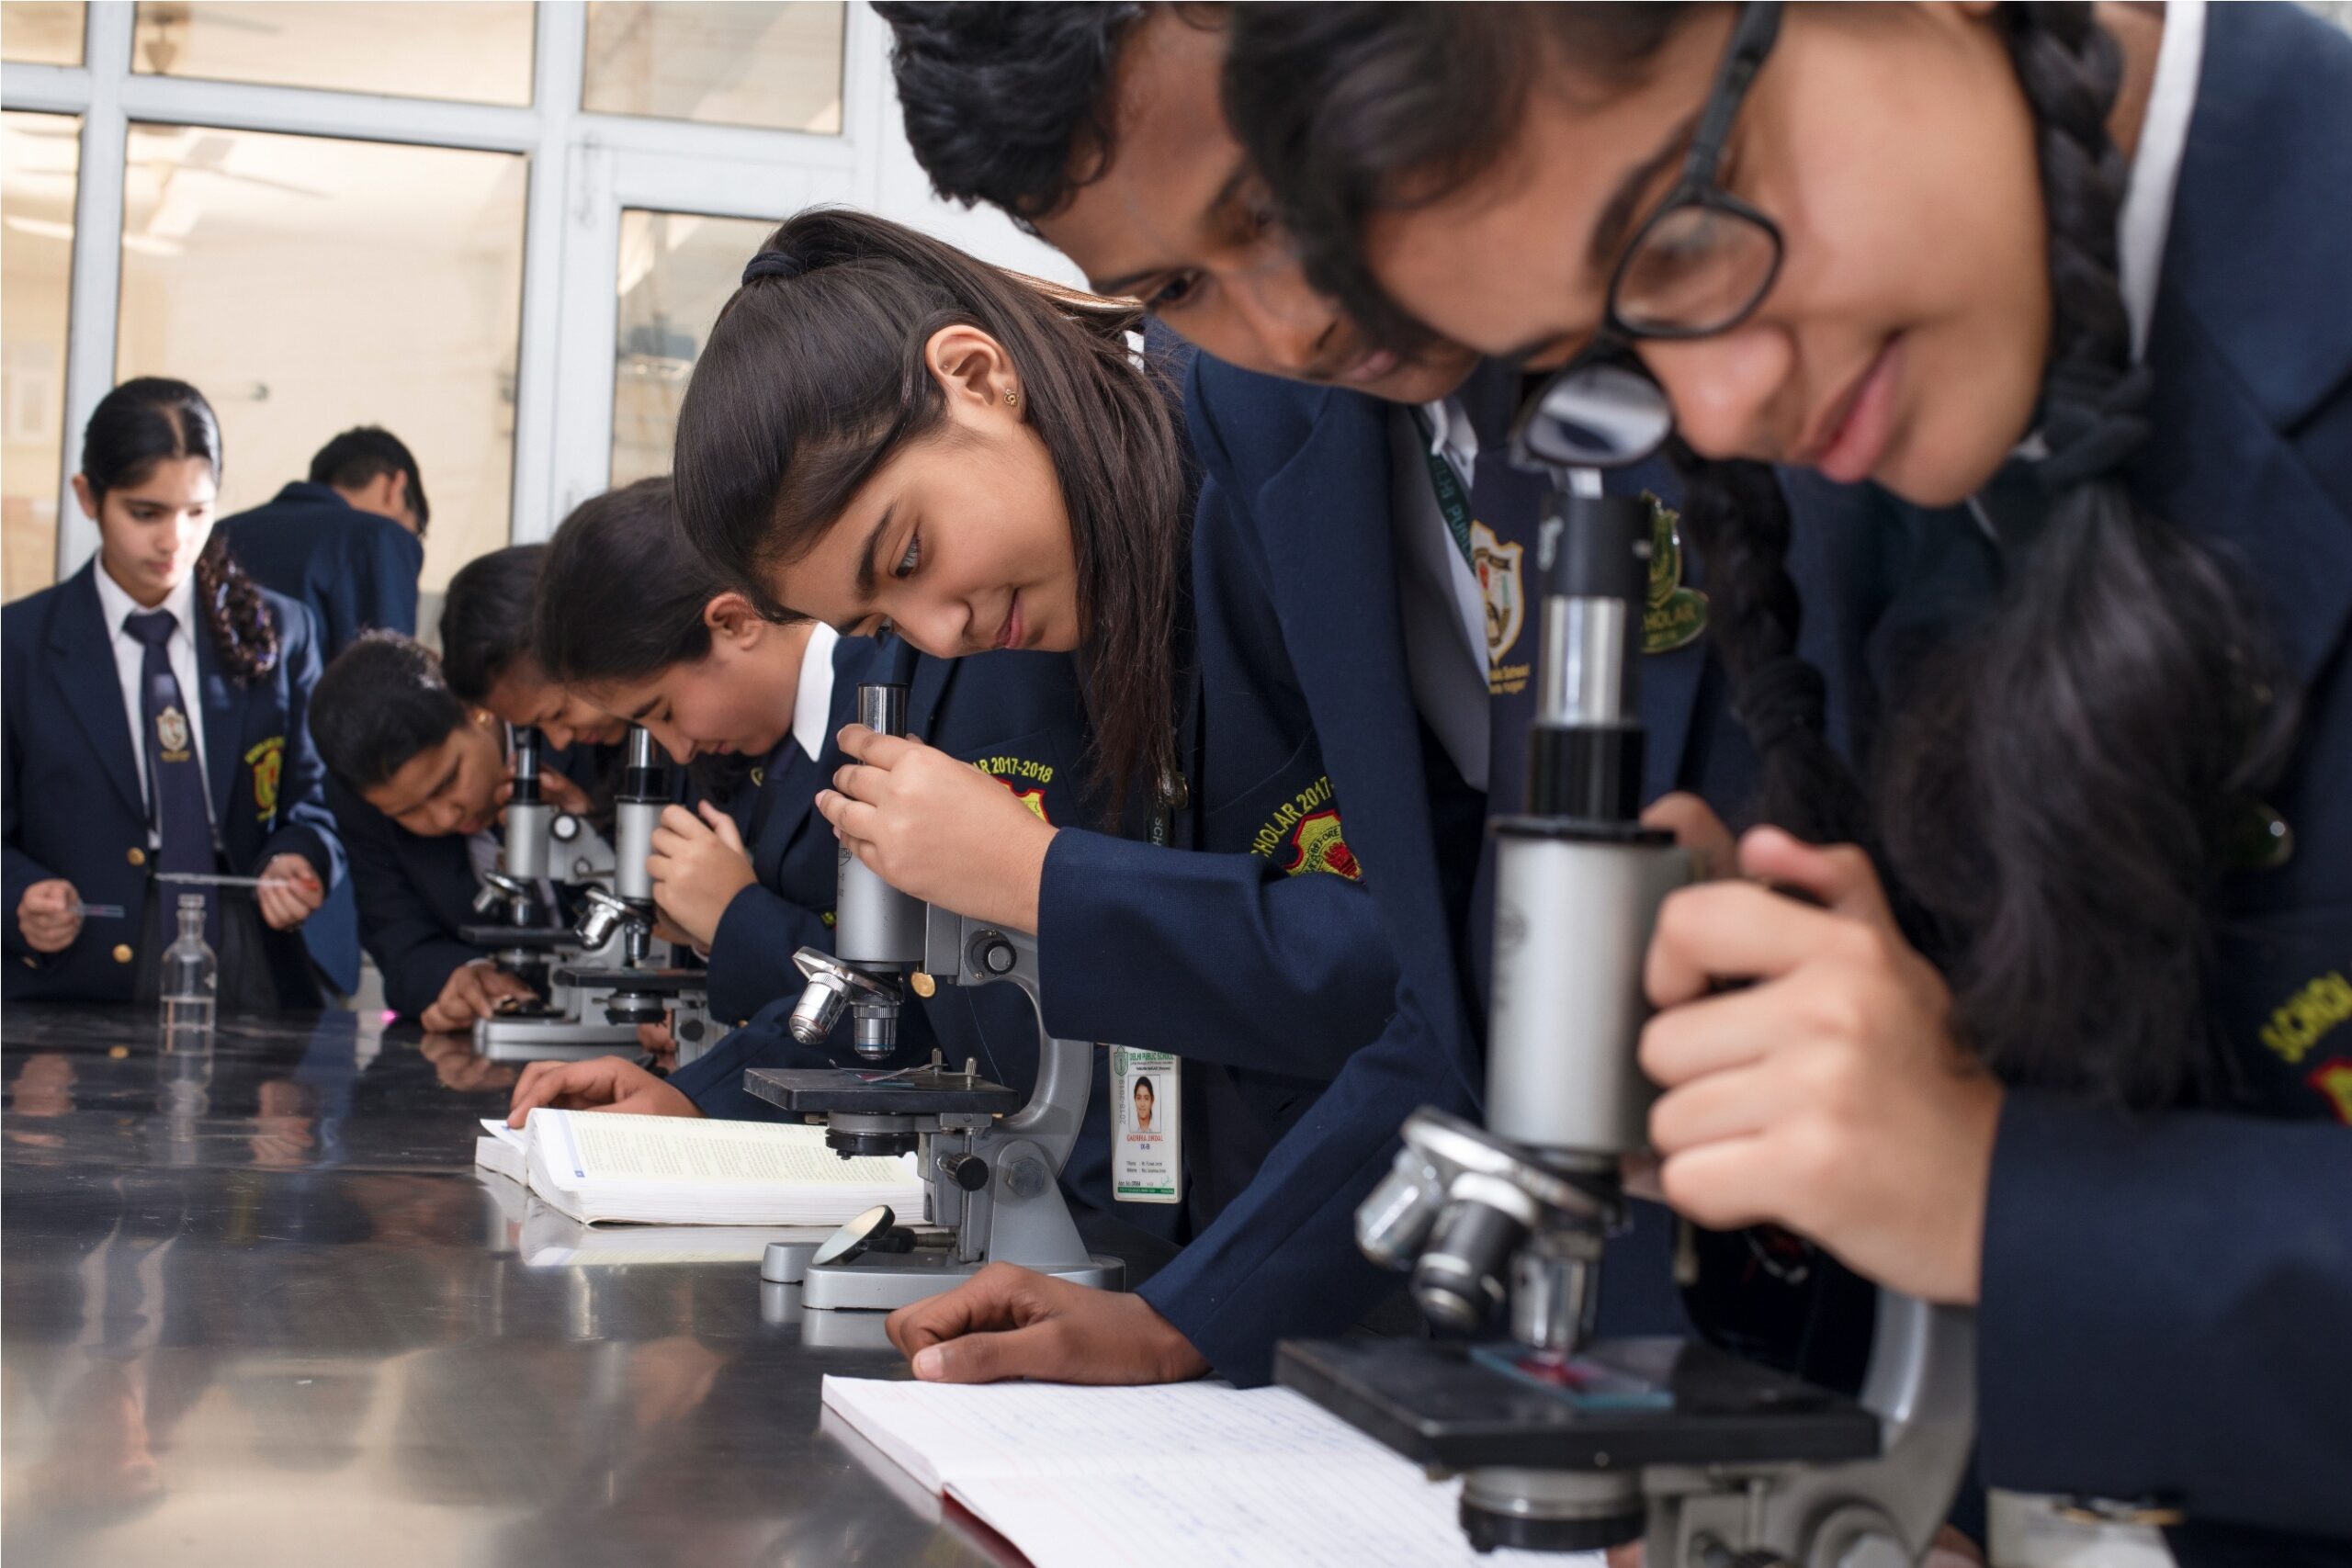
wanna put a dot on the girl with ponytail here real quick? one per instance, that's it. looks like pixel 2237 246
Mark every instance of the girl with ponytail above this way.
pixel 2061 1044
pixel 157 716
pixel 884 433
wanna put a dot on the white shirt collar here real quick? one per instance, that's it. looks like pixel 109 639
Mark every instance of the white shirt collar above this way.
pixel 114 603
pixel 812 708
pixel 2155 164
pixel 1452 435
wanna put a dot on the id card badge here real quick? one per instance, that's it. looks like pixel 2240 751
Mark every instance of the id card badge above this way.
pixel 1147 1127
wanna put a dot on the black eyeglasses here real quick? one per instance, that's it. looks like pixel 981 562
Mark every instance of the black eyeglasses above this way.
pixel 1699 265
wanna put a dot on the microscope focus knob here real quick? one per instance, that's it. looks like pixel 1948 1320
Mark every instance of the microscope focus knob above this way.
pixel 969 1172
pixel 992 955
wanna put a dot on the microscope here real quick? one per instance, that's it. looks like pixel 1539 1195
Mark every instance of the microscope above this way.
pixel 990 1163
pixel 1566 1442
pixel 598 979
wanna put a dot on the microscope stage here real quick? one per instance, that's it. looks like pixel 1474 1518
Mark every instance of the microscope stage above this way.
pixel 1451 1407
pixel 642 981
pixel 921 1091
pixel 535 937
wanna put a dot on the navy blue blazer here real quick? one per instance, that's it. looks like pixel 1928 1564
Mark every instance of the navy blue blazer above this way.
pixel 75 806
pixel 355 570
pixel 2166 1302
pixel 1308 470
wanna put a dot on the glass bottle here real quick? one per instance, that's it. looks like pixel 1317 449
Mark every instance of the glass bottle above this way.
pixel 191 975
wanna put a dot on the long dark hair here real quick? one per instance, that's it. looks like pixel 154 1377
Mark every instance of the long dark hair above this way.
pixel 2060 803
pixel 813 378
pixel 151 419
pixel 486 619
pixel 622 592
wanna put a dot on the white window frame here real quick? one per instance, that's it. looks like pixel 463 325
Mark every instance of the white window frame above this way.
pixel 583 168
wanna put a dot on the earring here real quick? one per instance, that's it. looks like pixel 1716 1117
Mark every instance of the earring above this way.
pixel 1011 400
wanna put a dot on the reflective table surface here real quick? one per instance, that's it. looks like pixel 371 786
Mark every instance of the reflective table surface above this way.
pixel 256 1307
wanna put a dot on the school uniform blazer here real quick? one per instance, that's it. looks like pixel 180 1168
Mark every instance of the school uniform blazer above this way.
pixel 1256 945
pixel 76 807
pixel 355 570
pixel 794 858
pixel 1308 469
pixel 2166 1302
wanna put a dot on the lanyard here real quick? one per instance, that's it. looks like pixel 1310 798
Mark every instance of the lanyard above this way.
pixel 1453 501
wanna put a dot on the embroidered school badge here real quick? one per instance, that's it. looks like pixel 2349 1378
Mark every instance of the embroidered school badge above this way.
pixel 1675 616
pixel 1321 846
pixel 1498 569
pixel 171 733
pixel 1034 799
pixel 267 761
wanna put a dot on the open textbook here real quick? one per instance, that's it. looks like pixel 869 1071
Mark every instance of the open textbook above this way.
pixel 597 1166
pixel 1182 1476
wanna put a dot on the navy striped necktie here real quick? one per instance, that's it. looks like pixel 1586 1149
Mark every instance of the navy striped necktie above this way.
pixel 174 778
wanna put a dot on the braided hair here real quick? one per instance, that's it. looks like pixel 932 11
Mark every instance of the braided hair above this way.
pixel 2054 831
pixel 151 419
pixel 2099 823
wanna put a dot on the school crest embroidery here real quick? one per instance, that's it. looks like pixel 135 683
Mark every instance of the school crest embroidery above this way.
pixel 171 733
pixel 1497 565
pixel 1034 799
pixel 1320 845
pixel 267 761
pixel 1675 616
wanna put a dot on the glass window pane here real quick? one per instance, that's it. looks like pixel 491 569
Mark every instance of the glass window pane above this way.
pixel 39 155
pixel 308 285
pixel 778 66
pixel 677 269
pixel 476 53
pixel 41 32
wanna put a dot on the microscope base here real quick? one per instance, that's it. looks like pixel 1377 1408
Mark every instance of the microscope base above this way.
pixel 550 1039
pixel 887 1281
pixel 1451 1408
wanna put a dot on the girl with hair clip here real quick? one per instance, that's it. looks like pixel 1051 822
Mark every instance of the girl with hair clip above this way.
pixel 882 432
pixel 2086 1069
pixel 156 714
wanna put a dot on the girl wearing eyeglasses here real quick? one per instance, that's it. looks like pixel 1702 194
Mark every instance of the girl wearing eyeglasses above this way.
pixel 2084 269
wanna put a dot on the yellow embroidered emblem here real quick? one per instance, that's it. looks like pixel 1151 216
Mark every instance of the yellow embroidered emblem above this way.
pixel 1675 616
pixel 1321 846
pixel 1496 567
pixel 2298 1023
pixel 171 734
pixel 267 761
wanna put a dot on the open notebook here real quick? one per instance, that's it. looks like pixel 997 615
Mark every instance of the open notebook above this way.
pixel 597 1166
pixel 1184 1475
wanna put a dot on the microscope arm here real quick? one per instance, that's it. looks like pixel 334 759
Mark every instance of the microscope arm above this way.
pixel 962 951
